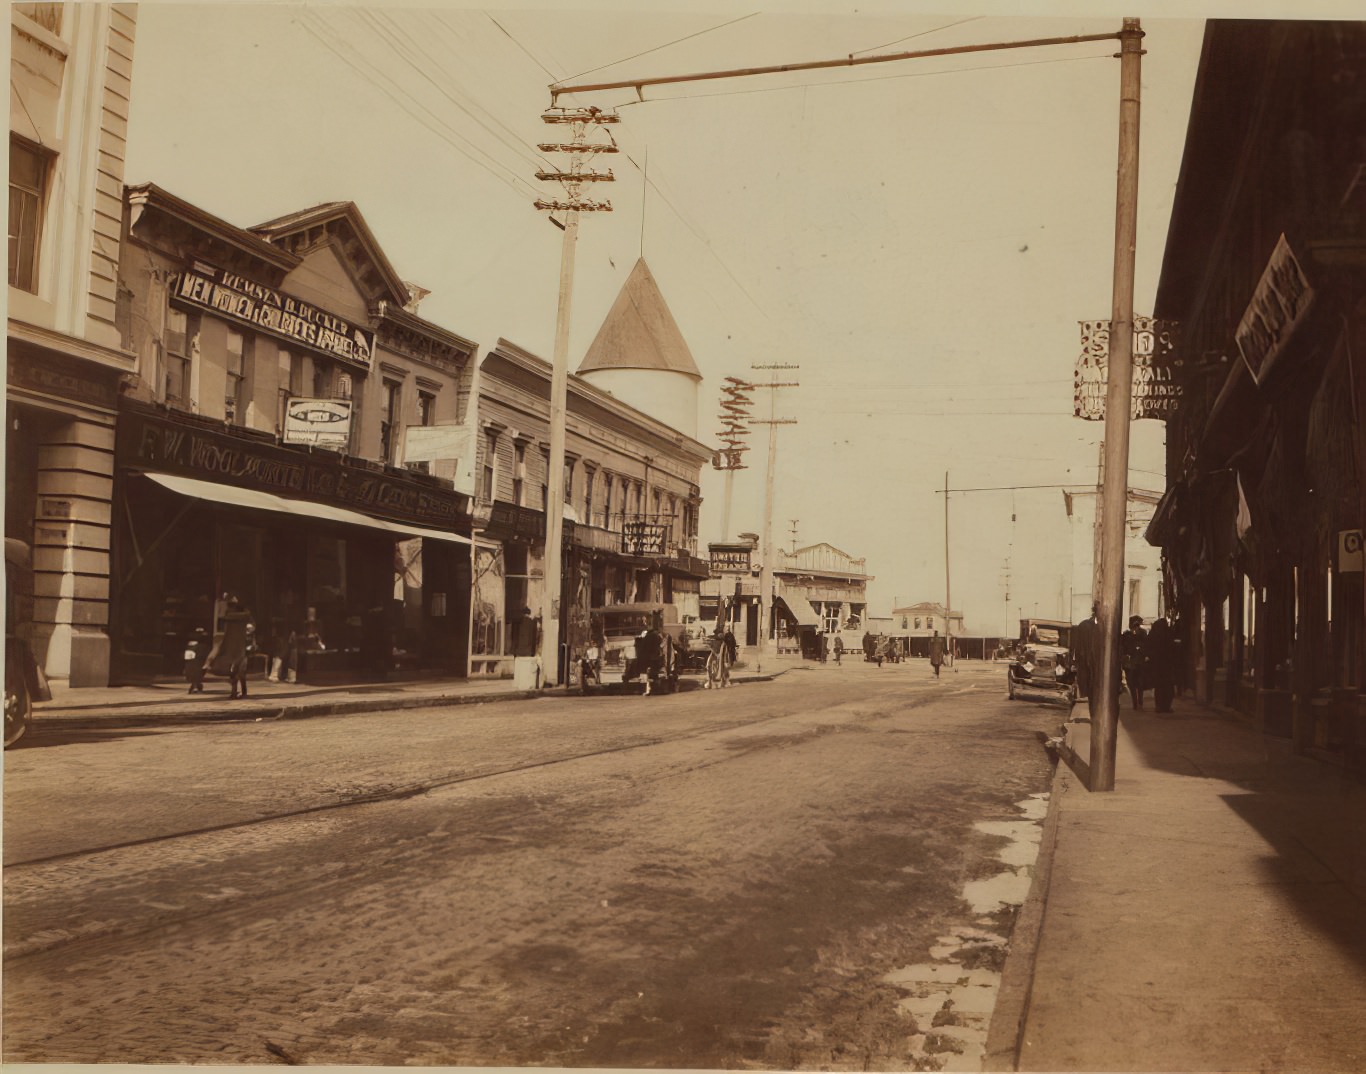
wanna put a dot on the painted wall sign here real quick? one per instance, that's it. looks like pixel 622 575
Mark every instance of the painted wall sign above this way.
pixel 729 560
pixel 318 422
pixel 63 377
pixel 267 309
pixel 147 441
pixel 1279 304
pixel 429 443
pixel 1156 391
pixel 640 538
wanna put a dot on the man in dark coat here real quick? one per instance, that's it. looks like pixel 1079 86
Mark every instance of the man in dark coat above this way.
pixel 1084 656
pixel 233 646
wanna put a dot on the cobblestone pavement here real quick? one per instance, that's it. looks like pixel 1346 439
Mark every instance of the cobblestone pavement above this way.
pixel 702 880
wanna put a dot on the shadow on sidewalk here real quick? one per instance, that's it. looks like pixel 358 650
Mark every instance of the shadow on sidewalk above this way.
pixel 1310 814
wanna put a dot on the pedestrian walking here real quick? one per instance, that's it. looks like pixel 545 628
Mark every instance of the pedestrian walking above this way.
pixel 1132 646
pixel 195 655
pixel 839 648
pixel 825 648
pixel 1084 656
pixel 936 653
pixel 1160 669
pixel 233 645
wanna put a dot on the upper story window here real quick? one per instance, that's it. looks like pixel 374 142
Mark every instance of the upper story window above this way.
pixel 589 476
pixel 388 422
pixel 569 481
pixel 607 501
pixel 234 390
pixel 29 166
pixel 426 415
pixel 519 474
pixel 490 465
pixel 545 480
pixel 181 328
pixel 287 386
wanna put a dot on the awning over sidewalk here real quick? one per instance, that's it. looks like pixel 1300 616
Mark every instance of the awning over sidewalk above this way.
pixel 799 608
pixel 268 501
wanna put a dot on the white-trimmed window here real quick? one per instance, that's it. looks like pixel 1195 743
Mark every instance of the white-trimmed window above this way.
pixel 389 415
pixel 489 483
pixel 234 391
pixel 177 355
pixel 29 167
pixel 519 473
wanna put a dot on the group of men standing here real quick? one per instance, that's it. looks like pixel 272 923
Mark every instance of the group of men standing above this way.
pixel 1149 659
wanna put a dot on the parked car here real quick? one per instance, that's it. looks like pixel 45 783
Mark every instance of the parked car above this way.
pixel 642 640
pixel 1041 664
pixel 25 682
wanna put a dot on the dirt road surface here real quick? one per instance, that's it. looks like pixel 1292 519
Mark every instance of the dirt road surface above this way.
pixel 712 879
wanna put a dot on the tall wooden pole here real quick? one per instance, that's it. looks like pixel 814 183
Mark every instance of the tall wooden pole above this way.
pixel 1117 411
pixel 948 589
pixel 766 565
pixel 554 507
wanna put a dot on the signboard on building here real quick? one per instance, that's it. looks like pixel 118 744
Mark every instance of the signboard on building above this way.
pixel 1279 304
pixel 1351 552
pixel 268 310
pixel 318 423
pixel 148 441
pixel 430 443
pixel 643 538
pixel 729 559
pixel 1156 389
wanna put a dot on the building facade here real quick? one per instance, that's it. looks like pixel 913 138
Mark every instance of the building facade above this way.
pixel 279 371
pixel 1265 269
pixel 70 85
pixel 632 498
pixel 817 588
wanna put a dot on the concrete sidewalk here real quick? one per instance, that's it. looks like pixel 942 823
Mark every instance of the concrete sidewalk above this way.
pixel 169 704
pixel 1209 914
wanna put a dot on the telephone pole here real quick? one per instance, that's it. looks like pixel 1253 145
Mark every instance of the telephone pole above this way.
pixel 579 121
pixel 948 588
pixel 766 567
pixel 1115 493
pixel 734 417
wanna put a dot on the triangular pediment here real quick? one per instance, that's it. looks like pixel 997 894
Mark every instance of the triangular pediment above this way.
pixel 339 226
pixel 639 332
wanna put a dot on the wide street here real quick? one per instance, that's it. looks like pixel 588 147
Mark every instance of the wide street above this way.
pixel 747 878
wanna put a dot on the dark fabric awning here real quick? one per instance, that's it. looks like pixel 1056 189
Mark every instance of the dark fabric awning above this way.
pixel 307 509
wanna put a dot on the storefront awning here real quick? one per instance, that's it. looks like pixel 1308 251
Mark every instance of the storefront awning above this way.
pixel 799 608
pixel 268 501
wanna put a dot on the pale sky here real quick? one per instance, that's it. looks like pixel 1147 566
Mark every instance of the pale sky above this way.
pixel 922 237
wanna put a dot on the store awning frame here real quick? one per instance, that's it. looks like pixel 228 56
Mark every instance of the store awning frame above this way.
pixel 256 500
pixel 811 619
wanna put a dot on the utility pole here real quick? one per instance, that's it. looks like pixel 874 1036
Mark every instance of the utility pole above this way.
pixel 735 430
pixel 792 525
pixel 948 589
pixel 1117 409
pixel 579 148
pixel 766 567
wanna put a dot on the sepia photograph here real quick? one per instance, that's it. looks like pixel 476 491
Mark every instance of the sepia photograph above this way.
pixel 593 536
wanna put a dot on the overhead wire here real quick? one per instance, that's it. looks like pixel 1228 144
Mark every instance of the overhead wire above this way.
pixel 657 48
pixel 336 43
pixel 509 140
pixel 912 37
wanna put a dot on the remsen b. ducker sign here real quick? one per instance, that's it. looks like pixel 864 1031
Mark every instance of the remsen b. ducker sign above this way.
pixel 281 315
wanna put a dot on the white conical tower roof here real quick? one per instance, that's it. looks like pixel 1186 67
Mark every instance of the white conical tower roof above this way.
pixel 639 332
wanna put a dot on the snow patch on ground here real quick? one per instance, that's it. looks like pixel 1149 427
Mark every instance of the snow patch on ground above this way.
pixel 952 997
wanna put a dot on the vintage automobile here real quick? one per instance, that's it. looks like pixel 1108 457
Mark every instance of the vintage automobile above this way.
pixel 25 682
pixel 1040 662
pixel 641 641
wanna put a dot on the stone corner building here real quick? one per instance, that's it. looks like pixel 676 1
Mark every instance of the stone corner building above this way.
pixel 70 86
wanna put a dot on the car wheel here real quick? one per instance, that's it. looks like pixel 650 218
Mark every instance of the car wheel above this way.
pixel 1010 687
pixel 18 708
